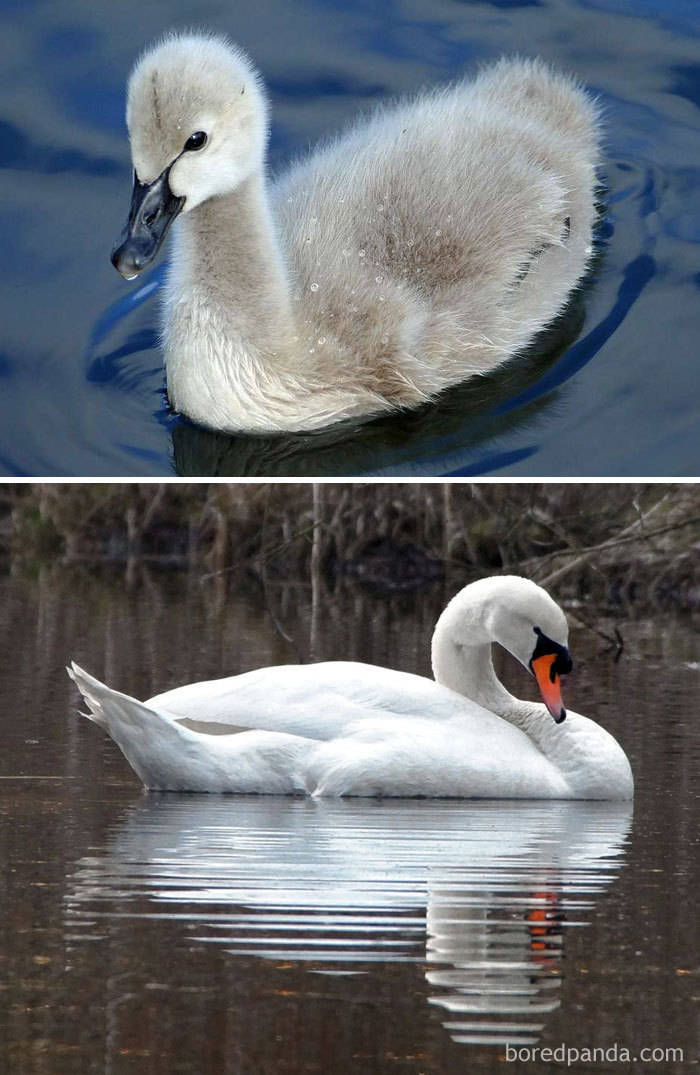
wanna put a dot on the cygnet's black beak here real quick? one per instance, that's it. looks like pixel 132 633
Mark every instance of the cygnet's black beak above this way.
pixel 153 209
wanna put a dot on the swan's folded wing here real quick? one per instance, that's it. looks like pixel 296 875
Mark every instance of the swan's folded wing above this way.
pixel 318 701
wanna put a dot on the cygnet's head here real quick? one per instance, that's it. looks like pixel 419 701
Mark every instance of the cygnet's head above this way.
pixel 197 120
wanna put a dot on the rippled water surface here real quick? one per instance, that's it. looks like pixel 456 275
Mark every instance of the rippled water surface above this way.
pixel 606 394
pixel 207 935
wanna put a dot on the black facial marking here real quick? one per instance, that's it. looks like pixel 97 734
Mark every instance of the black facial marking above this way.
pixel 562 664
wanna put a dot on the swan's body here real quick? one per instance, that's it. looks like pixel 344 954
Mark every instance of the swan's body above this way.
pixel 429 243
pixel 343 728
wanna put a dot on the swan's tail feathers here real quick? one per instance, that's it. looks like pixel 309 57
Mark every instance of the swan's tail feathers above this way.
pixel 111 709
pixel 86 684
pixel 148 739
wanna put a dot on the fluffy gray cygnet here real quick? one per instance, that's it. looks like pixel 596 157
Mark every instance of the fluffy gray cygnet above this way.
pixel 430 242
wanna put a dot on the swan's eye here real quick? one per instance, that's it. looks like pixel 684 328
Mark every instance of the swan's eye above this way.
pixel 196 141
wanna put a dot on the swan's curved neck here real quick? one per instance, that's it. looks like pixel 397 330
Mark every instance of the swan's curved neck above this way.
pixel 461 658
pixel 469 670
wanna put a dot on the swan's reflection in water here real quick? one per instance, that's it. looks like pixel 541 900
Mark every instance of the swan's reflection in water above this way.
pixel 502 960
pixel 479 893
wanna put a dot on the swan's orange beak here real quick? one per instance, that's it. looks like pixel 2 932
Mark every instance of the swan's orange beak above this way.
pixel 549 682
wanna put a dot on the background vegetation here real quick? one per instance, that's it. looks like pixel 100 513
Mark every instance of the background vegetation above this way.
pixel 615 542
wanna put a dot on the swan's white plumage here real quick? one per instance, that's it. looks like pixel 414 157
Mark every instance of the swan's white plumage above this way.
pixel 429 243
pixel 342 728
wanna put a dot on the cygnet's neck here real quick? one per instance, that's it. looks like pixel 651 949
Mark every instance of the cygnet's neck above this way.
pixel 234 356
pixel 227 247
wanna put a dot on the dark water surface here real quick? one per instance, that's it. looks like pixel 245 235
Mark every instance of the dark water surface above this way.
pixel 82 381
pixel 209 935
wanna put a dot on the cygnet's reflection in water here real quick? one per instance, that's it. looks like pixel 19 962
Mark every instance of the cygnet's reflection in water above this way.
pixel 484 892
pixel 464 417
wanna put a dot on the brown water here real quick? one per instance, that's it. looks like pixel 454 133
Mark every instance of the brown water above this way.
pixel 205 935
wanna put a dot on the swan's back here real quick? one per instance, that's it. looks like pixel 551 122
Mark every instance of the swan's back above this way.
pixel 318 701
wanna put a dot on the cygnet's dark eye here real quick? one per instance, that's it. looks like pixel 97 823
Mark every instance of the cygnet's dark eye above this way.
pixel 196 140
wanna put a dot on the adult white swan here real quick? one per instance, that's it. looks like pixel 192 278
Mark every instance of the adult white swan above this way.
pixel 344 728
pixel 429 243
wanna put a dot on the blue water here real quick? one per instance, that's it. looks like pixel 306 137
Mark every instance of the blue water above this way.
pixel 611 391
